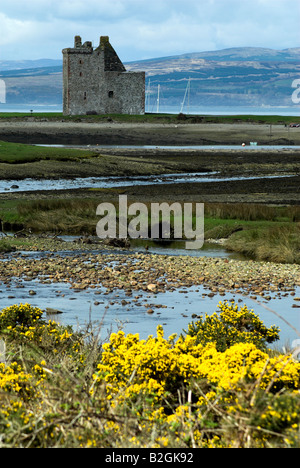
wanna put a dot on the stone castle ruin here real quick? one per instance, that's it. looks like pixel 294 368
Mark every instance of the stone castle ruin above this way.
pixel 95 81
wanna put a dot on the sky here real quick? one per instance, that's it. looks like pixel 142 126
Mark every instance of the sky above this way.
pixel 143 29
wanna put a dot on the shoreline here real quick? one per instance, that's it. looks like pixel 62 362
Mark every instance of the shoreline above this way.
pixel 128 162
pixel 116 133
pixel 245 276
pixel 256 165
pixel 277 191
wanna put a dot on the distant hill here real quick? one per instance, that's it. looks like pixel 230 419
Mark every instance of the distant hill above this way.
pixel 28 64
pixel 246 54
pixel 245 76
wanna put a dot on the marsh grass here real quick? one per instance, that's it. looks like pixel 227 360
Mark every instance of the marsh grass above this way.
pixel 261 232
pixel 65 216
pixel 17 153
pixel 279 244
pixel 5 247
pixel 252 212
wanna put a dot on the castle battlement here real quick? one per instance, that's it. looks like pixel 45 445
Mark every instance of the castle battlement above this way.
pixel 95 81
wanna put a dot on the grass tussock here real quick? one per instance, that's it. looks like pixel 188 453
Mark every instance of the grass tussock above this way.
pixel 60 388
pixel 65 216
pixel 276 244
pixel 5 247
pixel 252 212
pixel 268 233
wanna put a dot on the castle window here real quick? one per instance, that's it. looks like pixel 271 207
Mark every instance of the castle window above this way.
pixel 84 95
pixel 110 94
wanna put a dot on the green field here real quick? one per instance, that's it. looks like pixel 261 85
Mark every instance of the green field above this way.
pixel 14 153
pixel 155 118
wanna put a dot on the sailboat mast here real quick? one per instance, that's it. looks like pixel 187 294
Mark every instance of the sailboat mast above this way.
pixel 189 94
pixel 186 94
pixel 148 96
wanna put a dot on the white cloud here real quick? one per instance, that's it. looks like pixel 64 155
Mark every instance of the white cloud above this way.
pixel 145 28
pixel 12 30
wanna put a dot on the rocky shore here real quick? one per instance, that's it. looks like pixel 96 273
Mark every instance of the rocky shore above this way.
pixel 154 273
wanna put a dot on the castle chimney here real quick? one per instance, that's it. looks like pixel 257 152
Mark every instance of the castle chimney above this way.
pixel 77 42
pixel 104 40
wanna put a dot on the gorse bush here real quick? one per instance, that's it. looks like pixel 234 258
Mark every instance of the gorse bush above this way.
pixel 20 316
pixel 216 385
pixel 23 326
pixel 233 325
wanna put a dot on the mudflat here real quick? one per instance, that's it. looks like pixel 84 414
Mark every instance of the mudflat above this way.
pixel 252 176
pixel 116 133
pixel 272 175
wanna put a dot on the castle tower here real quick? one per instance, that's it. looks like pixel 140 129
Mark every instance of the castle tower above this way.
pixel 95 81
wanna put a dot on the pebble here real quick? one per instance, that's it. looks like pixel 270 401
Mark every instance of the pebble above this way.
pixel 153 273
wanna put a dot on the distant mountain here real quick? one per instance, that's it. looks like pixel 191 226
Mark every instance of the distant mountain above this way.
pixel 246 54
pixel 28 64
pixel 245 76
pixel 35 85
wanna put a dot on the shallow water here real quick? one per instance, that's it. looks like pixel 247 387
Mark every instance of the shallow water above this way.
pixel 167 247
pixel 26 185
pixel 178 248
pixel 180 147
pixel 172 309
